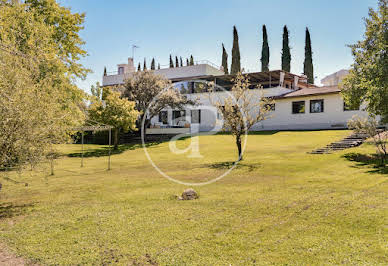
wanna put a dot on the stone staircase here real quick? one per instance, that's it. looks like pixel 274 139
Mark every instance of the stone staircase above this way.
pixel 354 140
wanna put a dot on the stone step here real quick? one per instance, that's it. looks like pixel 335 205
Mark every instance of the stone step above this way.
pixel 353 140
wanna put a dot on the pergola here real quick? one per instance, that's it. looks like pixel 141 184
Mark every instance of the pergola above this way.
pixel 267 79
pixel 94 126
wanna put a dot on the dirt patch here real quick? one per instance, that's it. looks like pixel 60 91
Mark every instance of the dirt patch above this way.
pixel 7 258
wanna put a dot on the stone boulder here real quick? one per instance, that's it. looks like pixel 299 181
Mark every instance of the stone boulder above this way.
pixel 189 194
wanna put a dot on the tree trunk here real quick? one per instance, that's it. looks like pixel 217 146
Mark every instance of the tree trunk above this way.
pixel 146 125
pixel 116 139
pixel 382 157
pixel 238 143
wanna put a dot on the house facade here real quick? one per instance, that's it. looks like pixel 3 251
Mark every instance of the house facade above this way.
pixel 297 104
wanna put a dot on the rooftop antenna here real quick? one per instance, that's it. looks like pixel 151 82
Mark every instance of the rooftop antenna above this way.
pixel 134 46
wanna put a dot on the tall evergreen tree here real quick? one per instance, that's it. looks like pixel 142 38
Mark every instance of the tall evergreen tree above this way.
pixel 286 55
pixel 308 68
pixel 181 61
pixel 225 60
pixel 171 62
pixel 191 60
pixel 236 66
pixel 105 71
pixel 153 64
pixel 145 64
pixel 187 62
pixel 176 61
pixel 158 65
pixel 265 51
pixel 138 67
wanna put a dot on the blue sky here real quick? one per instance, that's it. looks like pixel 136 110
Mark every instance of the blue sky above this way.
pixel 199 27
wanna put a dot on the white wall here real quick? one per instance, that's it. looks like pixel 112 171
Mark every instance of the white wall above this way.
pixel 170 73
pixel 333 116
pixel 209 121
pixel 282 118
pixel 335 78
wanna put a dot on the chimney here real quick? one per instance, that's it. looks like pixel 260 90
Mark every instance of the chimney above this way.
pixel 131 66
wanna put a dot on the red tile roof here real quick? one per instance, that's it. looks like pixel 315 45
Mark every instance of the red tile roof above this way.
pixel 310 92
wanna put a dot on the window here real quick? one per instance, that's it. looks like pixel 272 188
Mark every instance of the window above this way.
pixel 163 117
pixel 270 106
pixel 196 116
pixel 316 106
pixel 121 70
pixel 178 116
pixel 348 108
pixel 298 107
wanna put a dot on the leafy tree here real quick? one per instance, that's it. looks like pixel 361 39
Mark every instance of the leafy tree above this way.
pixel 241 109
pixel 145 65
pixel 153 64
pixel 39 102
pixel 236 66
pixel 152 93
pixel 65 27
pixel 367 81
pixel 308 68
pixel 181 62
pixel 138 67
pixel 158 65
pixel 176 61
pixel 96 91
pixel 171 62
pixel 265 51
pixel 105 71
pixel 224 60
pixel 286 55
pixel 191 60
pixel 187 62
pixel 114 111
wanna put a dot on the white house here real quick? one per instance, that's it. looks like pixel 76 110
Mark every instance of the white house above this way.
pixel 297 104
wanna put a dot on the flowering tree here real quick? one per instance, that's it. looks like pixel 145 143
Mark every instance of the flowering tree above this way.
pixel 242 109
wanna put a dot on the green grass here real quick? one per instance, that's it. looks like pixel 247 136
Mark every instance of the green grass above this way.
pixel 280 206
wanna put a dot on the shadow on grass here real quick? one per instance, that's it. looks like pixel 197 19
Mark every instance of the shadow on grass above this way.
pixel 228 165
pixel 264 133
pixel 104 151
pixel 373 161
pixel 9 210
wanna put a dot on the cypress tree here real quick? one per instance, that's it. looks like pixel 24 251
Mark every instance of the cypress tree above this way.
pixel 158 65
pixel 286 55
pixel 191 60
pixel 236 66
pixel 138 67
pixel 145 64
pixel 153 64
pixel 308 68
pixel 265 51
pixel 105 71
pixel 187 62
pixel 171 62
pixel 224 60
pixel 176 61
pixel 180 58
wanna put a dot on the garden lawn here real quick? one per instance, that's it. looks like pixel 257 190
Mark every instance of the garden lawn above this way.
pixel 279 206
